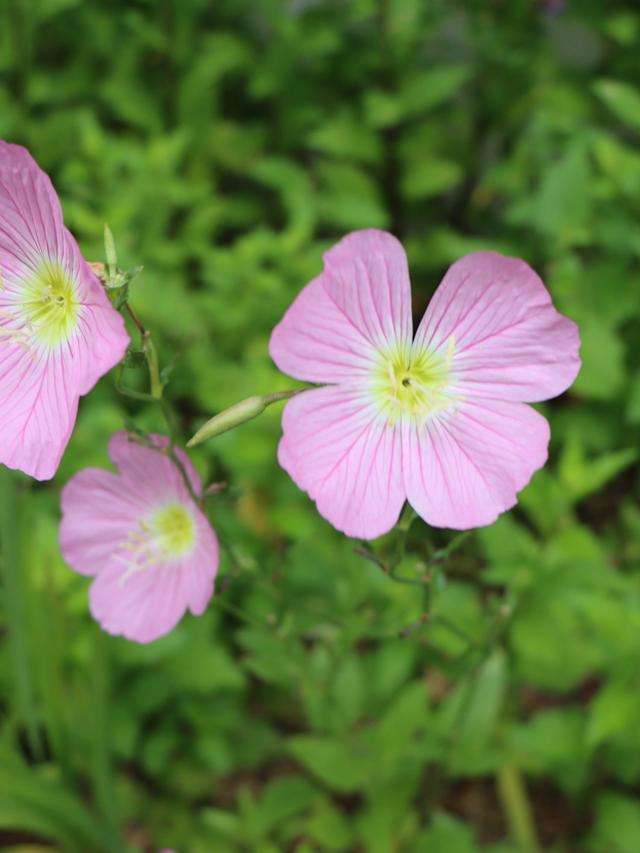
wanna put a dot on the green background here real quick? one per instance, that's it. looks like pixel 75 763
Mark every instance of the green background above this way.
pixel 311 708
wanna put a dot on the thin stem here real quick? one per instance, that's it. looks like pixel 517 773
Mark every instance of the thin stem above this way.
pixel 460 633
pixel 362 551
pixel 393 574
pixel 221 602
pixel 447 551
pixel 276 396
pixel 185 476
pixel 170 451
pixel 135 319
pixel 170 419
pixel 153 365
pixel 130 392
pixel 515 803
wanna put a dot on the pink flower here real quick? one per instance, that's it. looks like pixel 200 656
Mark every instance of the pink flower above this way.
pixel 438 419
pixel 58 332
pixel 149 547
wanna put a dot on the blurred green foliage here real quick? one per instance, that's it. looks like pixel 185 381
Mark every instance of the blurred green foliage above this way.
pixel 311 708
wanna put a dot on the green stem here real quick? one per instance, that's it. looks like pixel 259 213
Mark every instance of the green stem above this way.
pixel 393 574
pixel 516 806
pixel 15 605
pixel 154 366
pixel 185 476
pixel 460 633
pixel 447 551
pixel 276 396
pixel 223 604
pixel 170 419
pixel 130 392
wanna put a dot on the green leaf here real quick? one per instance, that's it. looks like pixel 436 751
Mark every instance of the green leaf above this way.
pixel 623 99
pixel 343 765
pixel 617 825
pixel 472 711
pixel 283 798
pixel 445 833
pixel 615 709
pixel 47 807
pixel 602 374
pixel 581 476
pixel 430 177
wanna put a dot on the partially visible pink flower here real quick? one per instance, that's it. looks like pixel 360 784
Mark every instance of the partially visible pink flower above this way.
pixel 438 419
pixel 139 533
pixel 58 332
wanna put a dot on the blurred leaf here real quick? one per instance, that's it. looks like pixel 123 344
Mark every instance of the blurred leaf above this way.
pixel 581 476
pixel 341 764
pixel 615 708
pixel 445 834
pixel 622 98
pixel 617 825
pixel 602 352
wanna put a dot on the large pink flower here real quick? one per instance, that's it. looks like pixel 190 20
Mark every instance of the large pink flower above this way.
pixel 150 548
pixel 58 332
pixel 438 419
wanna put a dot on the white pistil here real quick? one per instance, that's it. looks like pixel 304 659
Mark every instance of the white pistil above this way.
pixel 164 536
pixel 21 335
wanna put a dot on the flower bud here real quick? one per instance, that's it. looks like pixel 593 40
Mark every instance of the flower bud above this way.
pixel 230 418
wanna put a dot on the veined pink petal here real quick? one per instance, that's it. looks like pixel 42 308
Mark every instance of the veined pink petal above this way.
pixel 37 412
pixel 30 214
pixel 98 512
pixel 494 315
pixel 360 304
pixel 338 449
pixel 39 390
pixel 46 361
pixel 144 606
pixel 463 469
pixel 145 574
pixel 102 339
pixel 150 480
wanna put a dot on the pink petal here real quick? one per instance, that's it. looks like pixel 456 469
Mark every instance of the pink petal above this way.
pixel 202 568
pixel 39 391
pixel 30 214
pixel 337 449
pixel 97 513
pixel 102 338
pixel 40 386
pixel 508 341
pixel 101 511
pixel 463 469
pixel 358 305
pixel 142 606
pixel 149 472
pixel 37 411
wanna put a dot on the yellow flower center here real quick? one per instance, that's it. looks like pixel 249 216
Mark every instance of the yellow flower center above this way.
pixel 175 529
pixel 167 534
pixel 414 382
pixel 50 308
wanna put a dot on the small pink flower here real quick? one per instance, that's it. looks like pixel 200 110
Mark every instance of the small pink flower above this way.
pixel 438 419
pixel 150 548
pixel 58 332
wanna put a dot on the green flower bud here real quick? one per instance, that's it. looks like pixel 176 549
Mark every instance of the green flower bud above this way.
pixel 231 418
